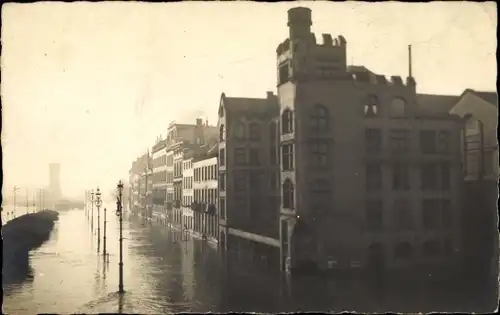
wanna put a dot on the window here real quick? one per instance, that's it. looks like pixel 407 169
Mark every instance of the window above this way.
pixel 429 177
pixel 254 156
pixel 288 194
pixel 222 157
pixel 319 152
pixel 472 127
pixel 319 118
pixel 373 177
pixel 402 214
pixel 472 163
pixel 445 175
pixel 443 141
pixel 373 140
pixel 254 131
pixel 240 156
pixel 287 121
pixel 400 140
pixel 222 208
pixel 431 248
pixel 428 142
pixel 374 215
pixel 222 181
pixel 222 133
pixel 400 177
pixel 430 213
pixel 239 130
pixel 403 251
pixel 371 106
pixel 398 107
pixel 240 180
pixel 287 152
pixel 284 72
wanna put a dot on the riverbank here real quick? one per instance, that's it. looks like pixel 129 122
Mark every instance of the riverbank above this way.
pixel 20 236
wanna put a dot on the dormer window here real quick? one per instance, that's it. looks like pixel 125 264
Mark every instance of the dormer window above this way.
pixel 371 106
pixel 398 107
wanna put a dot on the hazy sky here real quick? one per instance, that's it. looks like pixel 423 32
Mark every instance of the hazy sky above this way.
pixel 91 85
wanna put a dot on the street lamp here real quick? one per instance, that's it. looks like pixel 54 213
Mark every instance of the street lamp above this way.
pixel 119 213
pixel 92 213
pixel 104 237
pixel 98 203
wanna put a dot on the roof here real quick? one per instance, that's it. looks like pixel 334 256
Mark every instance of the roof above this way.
pixel 256 105
pixel 490 97
pixel 436 104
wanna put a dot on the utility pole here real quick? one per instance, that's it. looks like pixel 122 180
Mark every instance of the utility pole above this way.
pixel 98 204
pixel 120 214
pixel 27 202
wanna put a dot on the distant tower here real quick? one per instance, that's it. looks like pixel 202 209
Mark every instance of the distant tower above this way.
pixel 54 180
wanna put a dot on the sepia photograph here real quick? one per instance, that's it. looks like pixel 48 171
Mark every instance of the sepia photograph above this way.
pixel 249 157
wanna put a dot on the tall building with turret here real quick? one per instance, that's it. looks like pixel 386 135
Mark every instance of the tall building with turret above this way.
pixel 367 178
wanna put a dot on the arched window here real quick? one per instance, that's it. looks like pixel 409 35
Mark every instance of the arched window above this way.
pixel 319 118
pixel 288 192
pixel 403 251
pixel 286 121
pixel 398 107
pixel 222 133
pixel 239 130
pixel 371 107
pixel 254 131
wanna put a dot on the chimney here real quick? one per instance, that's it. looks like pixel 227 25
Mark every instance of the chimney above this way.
pixel 270 95
pixel 199 122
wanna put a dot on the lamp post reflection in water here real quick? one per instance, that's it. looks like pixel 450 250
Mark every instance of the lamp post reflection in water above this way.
pixel 98 204
pixel 119 213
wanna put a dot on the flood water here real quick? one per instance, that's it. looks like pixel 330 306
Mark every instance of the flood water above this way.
pixel 164 273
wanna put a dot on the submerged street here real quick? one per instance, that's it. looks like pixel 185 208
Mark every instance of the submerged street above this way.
pixel 164 273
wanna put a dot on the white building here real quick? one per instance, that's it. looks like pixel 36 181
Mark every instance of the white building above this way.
pixel 187 193
pixel 205 195
pixel 159 179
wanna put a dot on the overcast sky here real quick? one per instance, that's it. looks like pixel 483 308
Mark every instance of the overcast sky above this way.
pixel 91 85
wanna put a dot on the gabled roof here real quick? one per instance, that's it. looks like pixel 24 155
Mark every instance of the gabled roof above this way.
pixel 490 97
pixel 246 104
pixel 436 104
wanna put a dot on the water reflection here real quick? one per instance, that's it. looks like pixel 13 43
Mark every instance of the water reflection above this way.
pixel 166 273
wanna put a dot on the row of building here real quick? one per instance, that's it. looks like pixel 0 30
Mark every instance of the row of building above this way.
pixel 342 167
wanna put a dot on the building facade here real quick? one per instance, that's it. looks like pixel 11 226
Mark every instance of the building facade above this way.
pixel 205 195
pixel 137 185
pixel 480 160
pixel 159 179
pixel 367 179
pixel 248 179
pixel 187 192
pixel 183 139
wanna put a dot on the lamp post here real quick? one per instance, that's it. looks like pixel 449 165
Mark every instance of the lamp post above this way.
pixel 104 237
pixel 120 214
pixel 92 208
pixel 98 203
